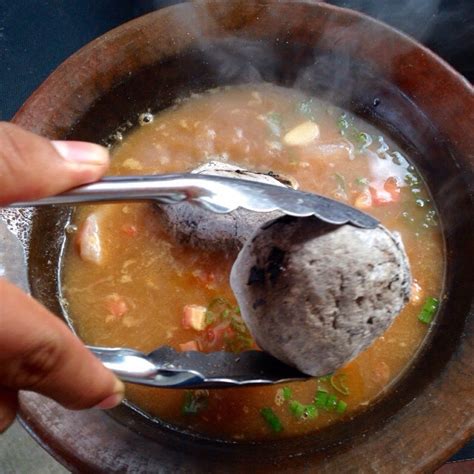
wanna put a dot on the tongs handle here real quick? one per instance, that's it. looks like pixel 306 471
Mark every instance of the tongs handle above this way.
pixel 214 193
pixel 168 368
pixel 163 188
pixel 135 367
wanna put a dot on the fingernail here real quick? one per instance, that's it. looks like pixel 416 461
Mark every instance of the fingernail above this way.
pixel 113 400
pixel 82 152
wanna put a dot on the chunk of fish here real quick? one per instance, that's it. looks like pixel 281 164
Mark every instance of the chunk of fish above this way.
pixel 88 240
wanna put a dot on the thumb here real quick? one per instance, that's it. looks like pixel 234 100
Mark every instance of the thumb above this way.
pixel 39 353
pixel 32 166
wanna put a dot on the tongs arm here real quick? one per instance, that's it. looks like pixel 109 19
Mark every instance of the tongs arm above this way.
pixel 167 368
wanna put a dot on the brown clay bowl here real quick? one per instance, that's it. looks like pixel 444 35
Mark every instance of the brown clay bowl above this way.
pixel 357 63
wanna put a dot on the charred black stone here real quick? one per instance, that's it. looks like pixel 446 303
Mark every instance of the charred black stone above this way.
pixel 258 302
pixel 256 275
pixel 275 263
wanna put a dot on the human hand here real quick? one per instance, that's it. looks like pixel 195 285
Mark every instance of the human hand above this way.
pixel 38 352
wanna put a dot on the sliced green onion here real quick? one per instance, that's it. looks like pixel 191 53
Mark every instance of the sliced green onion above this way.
pixel 305 107
pixel 338 382
pixel 341 406
pixel 310 411
pixel 271 419
pixel 341 183
pixel 210 317
pixel 194 402
pixel 428 310
pixel 321 399
pixel 296 408
pixel 343 123
pixel 363 139
pixel 287 393
pixel 299 410
pixel 274 123
pixel 219 301
pixel 362 181
pixel 331 402
pixel 325 378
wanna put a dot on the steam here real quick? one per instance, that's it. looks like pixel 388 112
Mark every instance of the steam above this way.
pixel 415 17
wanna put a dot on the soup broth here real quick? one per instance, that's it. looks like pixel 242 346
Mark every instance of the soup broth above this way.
pixel 126 283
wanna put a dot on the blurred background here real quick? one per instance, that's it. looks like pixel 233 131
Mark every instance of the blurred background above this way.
pixel 37 35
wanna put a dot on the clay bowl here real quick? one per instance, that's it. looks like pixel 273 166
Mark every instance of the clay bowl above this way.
pixel 353 61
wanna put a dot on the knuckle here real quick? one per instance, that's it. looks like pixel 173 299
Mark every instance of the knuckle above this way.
pixel 36 365
pixel 12 159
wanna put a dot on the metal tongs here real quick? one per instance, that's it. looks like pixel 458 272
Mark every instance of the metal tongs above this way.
pixel 165 367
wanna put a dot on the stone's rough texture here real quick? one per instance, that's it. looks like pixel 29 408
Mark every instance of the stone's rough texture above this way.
pixel 191 225
pixel 315 295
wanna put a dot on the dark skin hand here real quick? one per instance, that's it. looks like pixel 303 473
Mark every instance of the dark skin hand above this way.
pixel 37 350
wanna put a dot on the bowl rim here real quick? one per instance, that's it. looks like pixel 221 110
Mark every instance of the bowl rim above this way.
pixel 29 116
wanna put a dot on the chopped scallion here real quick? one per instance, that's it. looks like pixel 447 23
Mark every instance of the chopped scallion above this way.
pixel 338 382
pixel 362 181
pixel 341 183
pixel 428 310
pixel 331 402
pixel 296 408
pixel 305 107
pixel 341 406
pixel 310 411
pixel 299 410
pixel 274 123
pixel 194 402
pixel 325 378
pixel 287 393
pixel 271 419
pixel 321 399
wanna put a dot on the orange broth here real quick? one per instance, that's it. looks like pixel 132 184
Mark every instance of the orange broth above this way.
pixel 136 295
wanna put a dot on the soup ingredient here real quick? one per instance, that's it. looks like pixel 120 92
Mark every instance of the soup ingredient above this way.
pixel 271 419
pixel 88 240
pixel 299 410
pixel 315 295
pixel 195 401
pixel 189 346
pixel 302 134
pixel 329 402
pixel 197 227
pixel 338 383
pixel 428 310
pixel 222 327
pixel 116 305
pixel 416 293
pixel 194 317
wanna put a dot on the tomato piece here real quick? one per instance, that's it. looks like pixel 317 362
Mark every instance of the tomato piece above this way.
pixel 215 337
pixel 391 186
pixel 116 305
pixel 189 346
pixel 194 317
pixel 387 193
